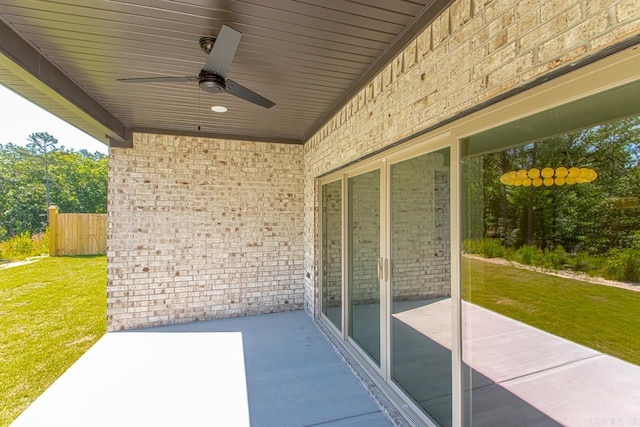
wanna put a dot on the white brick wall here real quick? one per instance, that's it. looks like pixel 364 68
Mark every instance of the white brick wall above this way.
pixel 475 51
pixel 203 228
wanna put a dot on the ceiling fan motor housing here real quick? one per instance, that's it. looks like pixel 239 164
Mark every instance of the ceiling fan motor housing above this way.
pixel 210 82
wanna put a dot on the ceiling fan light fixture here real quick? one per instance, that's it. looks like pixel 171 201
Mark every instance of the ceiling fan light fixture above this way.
pixel 219 109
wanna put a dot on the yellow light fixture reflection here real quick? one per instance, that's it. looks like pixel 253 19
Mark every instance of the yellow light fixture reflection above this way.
pixel 548 177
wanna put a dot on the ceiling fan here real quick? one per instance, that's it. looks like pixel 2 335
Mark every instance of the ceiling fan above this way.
pixel 213 76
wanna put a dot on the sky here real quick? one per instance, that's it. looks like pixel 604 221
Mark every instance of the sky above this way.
pixel 19 118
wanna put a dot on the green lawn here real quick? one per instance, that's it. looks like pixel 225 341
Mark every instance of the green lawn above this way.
pixel 600 317
pixel 51 312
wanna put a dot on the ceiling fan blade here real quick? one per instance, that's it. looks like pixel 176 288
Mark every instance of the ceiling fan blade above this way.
pixel 223 51
pixel 242 92
pixel 160 79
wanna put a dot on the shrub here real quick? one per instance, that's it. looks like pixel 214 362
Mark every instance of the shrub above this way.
pixel 24 245
pixel 632 266
pixel 530 255
pixel 623 265
pixel 487 247
pixel 40 243
pixel 556 258
pixel 471 246
pixel 619 264
pixel 580 262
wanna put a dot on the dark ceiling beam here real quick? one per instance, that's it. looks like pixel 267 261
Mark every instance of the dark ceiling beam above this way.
pixel 26 62
pixel 429 12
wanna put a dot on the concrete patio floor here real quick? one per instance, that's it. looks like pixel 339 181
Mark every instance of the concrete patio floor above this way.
pixel 279 370
pixel 268 370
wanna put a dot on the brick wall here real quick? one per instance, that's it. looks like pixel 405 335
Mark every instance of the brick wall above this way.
pixel 203 228
pixel 475 51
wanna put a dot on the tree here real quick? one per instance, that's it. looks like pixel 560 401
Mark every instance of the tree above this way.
pixel 43 143
pixel 22 197
pixel 594 217
pixel 77 183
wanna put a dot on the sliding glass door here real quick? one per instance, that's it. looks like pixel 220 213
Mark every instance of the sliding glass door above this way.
pixel 364 253
pixel 395 276
pixel 531 210
pixel 551 266
pixel 421 281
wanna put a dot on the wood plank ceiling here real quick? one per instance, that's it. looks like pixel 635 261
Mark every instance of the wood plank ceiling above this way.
pixel 308 56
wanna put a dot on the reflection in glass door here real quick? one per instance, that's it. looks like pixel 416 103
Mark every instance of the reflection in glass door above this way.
pixel 332 252
pixel 397 276
pixel 553 194
pixel 364 252
pixel 421 281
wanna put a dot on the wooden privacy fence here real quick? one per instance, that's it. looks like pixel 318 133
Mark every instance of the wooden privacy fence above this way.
pixel 77 234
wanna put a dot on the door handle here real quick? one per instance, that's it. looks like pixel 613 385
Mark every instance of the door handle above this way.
pixel 383 269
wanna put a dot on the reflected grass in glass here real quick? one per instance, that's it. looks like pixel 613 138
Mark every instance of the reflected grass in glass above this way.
pixel 597 316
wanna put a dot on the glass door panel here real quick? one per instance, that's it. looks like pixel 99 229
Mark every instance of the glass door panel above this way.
pixel 364 251
pixel 421 281
pixel 551 218
pixel 332 252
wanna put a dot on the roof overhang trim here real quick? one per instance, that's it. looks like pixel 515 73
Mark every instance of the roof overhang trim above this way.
pixel 23 60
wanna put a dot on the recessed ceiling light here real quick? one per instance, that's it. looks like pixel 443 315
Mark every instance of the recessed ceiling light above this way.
pixel 219 109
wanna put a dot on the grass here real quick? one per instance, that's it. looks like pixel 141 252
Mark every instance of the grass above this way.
pixel 601 317
pixel 51 312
